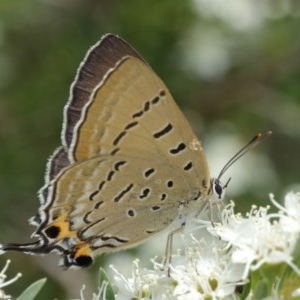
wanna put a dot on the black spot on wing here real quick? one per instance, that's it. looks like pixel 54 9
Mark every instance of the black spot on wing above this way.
pixel 155 207
pixel 52 231
pixel 163 131
pixel 145 193
pixel 123 193
pixel 119 137
pixel 131 213
pixel 149 172
pixel 115 151
pixel 188 166
pixel 155 100
pixel 163 196
pixel 119 164
pixel 180 147
pixel 110 175
pixel 86 216
pixel 98 204
pixel 170 184
pixel 162 93
pixel 147 105
pixel 131 125
pixel 92 195
pixel 101 185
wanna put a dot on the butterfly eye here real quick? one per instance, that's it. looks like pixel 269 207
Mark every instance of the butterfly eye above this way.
pixel 218 190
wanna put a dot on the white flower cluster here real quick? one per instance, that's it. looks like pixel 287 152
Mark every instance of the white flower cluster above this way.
pixel 4 283
pixel 219 256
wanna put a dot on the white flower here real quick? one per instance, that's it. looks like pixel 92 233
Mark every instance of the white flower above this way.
pixel 296 293
pixel 290 218
pixel 259 237
pixel 4 283
pixel 144 283
pixel 206 272
pixel 101 295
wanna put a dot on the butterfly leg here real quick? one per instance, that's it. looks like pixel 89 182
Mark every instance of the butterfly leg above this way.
pixel 220 206
pixel 210 213
pixel 168 252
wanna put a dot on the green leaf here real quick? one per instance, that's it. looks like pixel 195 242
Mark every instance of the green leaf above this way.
pixel 261 289
pixel 32 290
pixel 289 282
pixel 108 292
pixel 243 291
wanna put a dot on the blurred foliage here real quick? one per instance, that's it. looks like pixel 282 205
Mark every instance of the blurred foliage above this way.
pixel 249 81
pixel 33 290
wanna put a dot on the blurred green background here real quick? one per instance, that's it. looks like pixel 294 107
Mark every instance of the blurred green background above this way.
pixel 232 66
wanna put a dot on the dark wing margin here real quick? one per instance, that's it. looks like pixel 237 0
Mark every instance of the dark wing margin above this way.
pixel 102 57
pixel 58 161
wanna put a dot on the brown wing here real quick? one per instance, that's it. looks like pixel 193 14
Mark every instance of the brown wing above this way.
pixel 130 162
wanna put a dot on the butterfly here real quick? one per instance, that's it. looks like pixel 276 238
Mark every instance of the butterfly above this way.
pixel 129 166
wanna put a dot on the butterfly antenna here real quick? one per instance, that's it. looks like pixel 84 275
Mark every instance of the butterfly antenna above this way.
pixel 253 143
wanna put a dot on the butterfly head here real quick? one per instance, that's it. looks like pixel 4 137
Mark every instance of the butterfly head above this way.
pixel 218 189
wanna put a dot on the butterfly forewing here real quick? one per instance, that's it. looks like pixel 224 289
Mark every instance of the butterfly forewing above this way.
pixel 132 113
